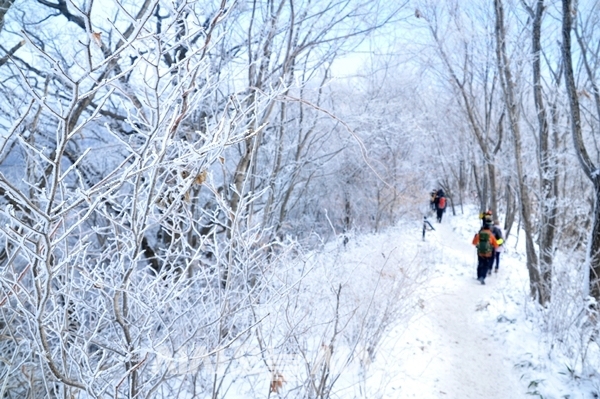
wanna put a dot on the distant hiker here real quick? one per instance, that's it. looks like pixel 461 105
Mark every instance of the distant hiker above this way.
pixel 499 236
pixel 486 218
pixel 440 204
pixel 486 244
pixel 426 226
pixel 432 201
pixel 439 194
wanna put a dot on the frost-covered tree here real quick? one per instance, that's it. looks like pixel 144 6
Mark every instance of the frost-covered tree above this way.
pixel 583 121
pixel 148 145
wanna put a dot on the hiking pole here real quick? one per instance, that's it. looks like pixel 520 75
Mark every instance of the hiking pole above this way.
pixel 426 226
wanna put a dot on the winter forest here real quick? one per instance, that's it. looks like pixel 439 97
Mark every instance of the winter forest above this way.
pixel 182 183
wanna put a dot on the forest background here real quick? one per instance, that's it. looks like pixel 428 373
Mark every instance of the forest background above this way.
pixel 165 167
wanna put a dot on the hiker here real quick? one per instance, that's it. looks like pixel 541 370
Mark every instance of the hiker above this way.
pixel 426 226
pixel 432 200
pixel 486 217
pixel 499 236
pixel 440 204
pixel 486 244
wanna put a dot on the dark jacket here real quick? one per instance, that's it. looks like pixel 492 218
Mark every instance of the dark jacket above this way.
pixel 497 232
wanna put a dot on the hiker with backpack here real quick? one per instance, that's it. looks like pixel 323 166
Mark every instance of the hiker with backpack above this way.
pixel 440 204
pixel 486 244
pixel 486 217
pixel 499 236
pixel 432 199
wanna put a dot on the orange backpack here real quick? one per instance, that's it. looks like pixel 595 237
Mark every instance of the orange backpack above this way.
pixel 442 203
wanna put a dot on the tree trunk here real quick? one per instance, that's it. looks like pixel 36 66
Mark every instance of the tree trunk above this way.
pixel 535 284
pixel 548 170
pixel 590 170
pixel 4 7
pixel 510 210
pixel 481 188
pixel 461 185
pixel 492 184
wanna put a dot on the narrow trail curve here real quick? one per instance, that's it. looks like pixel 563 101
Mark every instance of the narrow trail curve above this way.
pixel 446 351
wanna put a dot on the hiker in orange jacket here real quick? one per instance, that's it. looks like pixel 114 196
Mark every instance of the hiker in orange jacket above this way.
pixel 486 244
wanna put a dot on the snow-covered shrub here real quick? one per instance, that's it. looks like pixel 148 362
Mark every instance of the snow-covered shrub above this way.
pixel 325 314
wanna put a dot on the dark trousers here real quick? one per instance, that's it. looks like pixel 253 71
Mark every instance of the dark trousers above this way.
pixel 483 265
pixel 497 257
pixel 440 213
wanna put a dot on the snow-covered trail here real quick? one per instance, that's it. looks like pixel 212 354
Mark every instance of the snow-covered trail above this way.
pixel 449 349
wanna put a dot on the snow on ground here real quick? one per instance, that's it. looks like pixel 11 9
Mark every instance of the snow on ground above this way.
pixel 444 335
pixel 469 340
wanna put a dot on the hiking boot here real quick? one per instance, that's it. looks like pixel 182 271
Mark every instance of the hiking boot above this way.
pixel 496 270
pixel 482 281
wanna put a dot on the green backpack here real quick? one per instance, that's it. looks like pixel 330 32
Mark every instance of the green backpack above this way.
pixel 485 246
